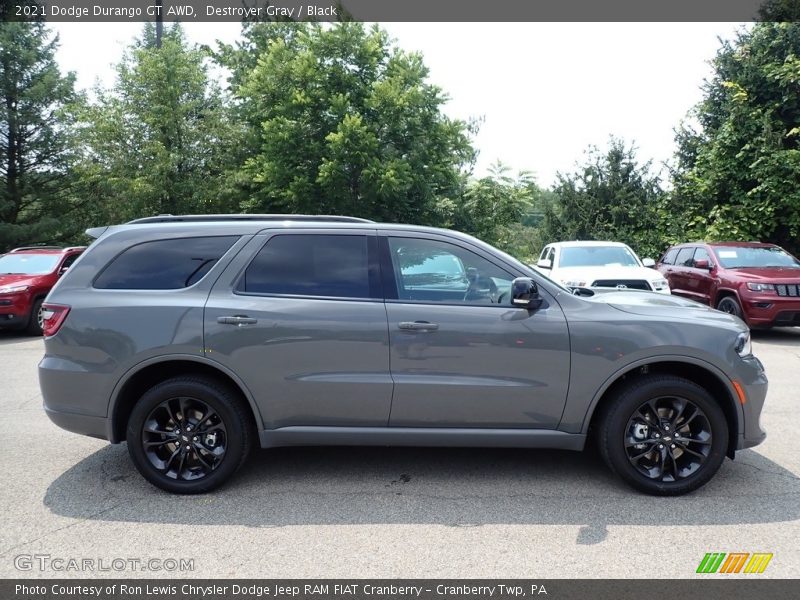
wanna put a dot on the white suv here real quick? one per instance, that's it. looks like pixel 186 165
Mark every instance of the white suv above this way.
pixel 600 264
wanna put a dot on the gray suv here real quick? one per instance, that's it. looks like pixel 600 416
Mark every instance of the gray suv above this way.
pixel 196 338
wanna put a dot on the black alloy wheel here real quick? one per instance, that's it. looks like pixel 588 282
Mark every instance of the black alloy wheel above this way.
pixel 668 438
pixel 189 434
pixel 663 434
pixel 184 438
pixel 36 320
pixel 729 305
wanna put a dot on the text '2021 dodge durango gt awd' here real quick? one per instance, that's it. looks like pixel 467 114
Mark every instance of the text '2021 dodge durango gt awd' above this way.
pixel 195 338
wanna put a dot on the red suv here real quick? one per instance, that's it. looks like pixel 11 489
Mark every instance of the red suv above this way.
pixel 26 276
pixel 760 283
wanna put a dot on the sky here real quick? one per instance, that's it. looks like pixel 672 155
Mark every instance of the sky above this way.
pixel 545 91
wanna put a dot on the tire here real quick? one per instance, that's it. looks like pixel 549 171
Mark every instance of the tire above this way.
pixel 634 445
pixel 189 435
pixel 730 305
pixel 34 326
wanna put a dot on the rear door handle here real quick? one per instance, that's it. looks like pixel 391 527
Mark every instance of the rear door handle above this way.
pixel 418 326
pixel 237 320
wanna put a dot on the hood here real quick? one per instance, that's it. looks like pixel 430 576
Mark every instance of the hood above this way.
pixel 652 304
pixel 590 274
pixel 768 274
pixel 17 278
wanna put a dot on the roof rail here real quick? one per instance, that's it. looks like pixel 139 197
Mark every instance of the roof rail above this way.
pixel 73 248
pixel 23 248
pixel 245 217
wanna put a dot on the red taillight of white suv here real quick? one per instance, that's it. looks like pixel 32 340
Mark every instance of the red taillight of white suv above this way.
pixel 53 317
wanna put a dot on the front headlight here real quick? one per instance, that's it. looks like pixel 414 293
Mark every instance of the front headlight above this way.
pixel 743 346
pixel 761 287
pixel 13 289
pixel 573 283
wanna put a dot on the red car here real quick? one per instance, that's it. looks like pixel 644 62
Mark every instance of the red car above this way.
pixel 760 283
pixel 26 276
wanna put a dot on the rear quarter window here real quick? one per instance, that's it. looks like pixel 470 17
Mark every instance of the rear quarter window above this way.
pixel 164 264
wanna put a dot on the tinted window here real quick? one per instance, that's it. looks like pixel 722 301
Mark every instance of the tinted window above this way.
pixel 669 257
pixel 684 257
pixel 164 264
pixel 432 271
pixel 311 265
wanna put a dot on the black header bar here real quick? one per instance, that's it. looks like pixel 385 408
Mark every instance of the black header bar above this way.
pixel 189 11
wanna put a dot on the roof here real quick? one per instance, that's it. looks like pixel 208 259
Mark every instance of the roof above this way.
pixel 578 243
pixel 246 217
pixel 255 223
pixel 45 249
pixel 730 244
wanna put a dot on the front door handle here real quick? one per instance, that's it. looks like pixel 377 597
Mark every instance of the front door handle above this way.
pixel 418 326
pixel 237 320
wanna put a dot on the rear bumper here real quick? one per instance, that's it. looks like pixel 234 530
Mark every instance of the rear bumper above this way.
pixel 96 427
pixel 73 397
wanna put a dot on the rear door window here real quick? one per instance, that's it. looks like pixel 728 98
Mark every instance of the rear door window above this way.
pixel 328 266
pixel 164 264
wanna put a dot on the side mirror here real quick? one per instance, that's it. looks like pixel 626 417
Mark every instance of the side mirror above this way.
pixel 648 262
pixel 525 293
pixel 545 263
pixel 62 270
pixel 702 264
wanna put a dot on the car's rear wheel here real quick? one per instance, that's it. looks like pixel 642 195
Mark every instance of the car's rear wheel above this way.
pixel 188 435
pixel 730 305
pixel 35 321
pixel 664 435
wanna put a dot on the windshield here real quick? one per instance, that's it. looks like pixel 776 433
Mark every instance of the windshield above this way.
pixel 28 264
pixel 763 256
pixel 597 256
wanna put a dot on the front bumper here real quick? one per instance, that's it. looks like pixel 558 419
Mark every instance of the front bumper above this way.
pixel 755 385
pixel 770 310
pixel 14 310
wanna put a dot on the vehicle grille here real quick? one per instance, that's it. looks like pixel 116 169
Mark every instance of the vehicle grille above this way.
pixel 631 284
pixel 789 289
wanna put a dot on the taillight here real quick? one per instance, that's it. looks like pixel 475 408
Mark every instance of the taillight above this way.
pixel 53 317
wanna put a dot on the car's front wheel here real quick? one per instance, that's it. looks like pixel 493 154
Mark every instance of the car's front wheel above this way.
pixel 730 305
pixel 188 435
pixel 664 435
pixel 35 321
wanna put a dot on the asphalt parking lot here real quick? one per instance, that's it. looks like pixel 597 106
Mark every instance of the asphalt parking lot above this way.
pixel 367 512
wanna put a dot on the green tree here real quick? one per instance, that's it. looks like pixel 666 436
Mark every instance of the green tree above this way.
pixel 36 118
pixel 738 169
pixel 610 197
pixel 160 140
pixel 343 122
pixel 493 208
